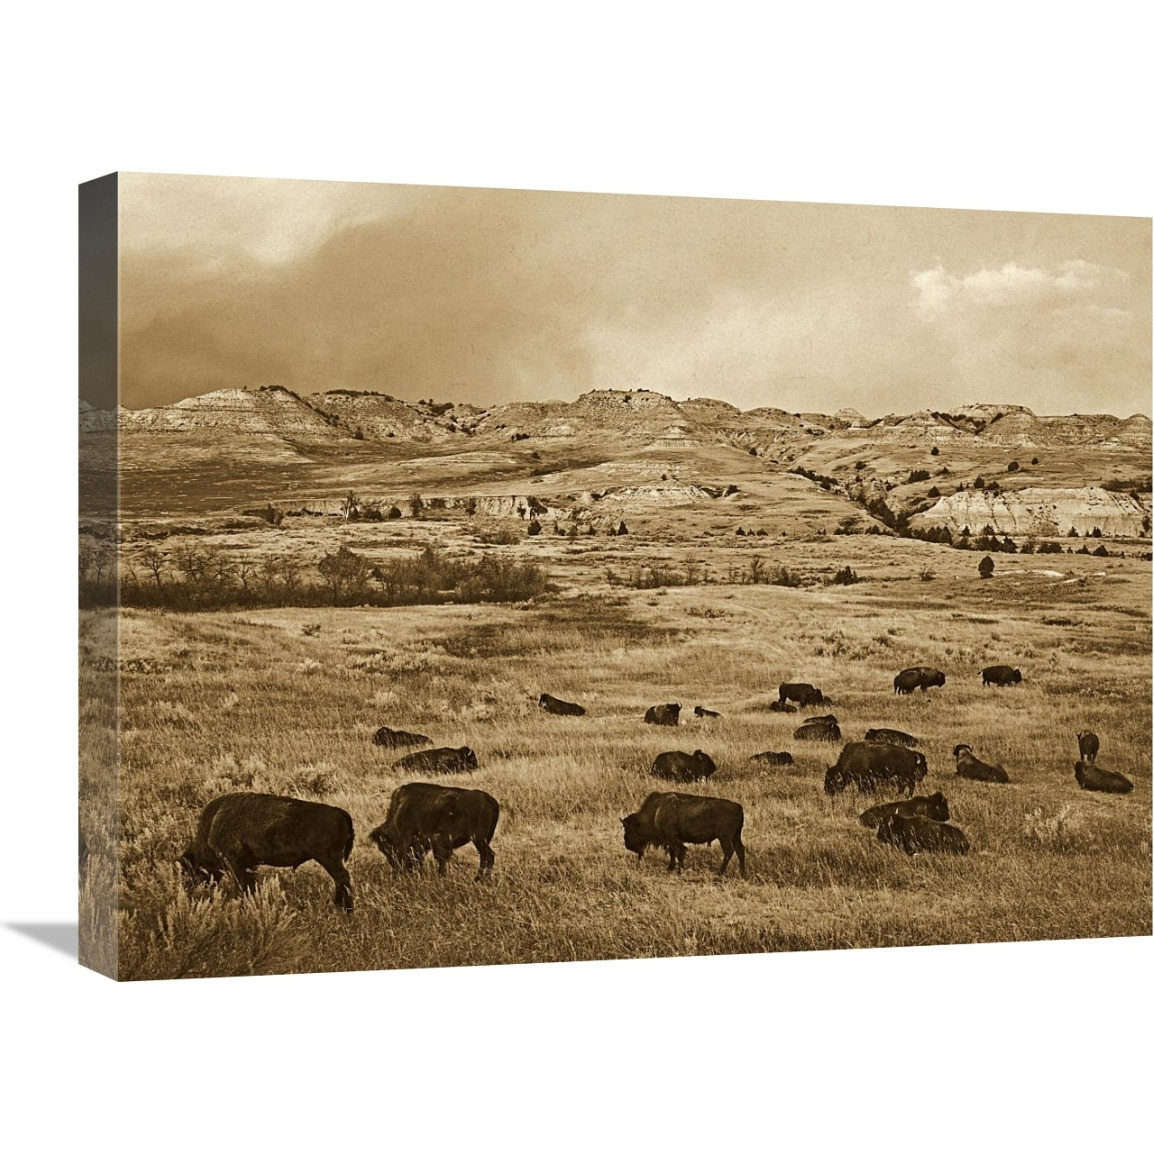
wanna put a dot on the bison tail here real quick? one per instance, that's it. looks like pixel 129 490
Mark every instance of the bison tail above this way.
pixel 349 839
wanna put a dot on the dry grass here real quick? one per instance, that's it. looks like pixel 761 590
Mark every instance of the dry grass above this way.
pixel 265 700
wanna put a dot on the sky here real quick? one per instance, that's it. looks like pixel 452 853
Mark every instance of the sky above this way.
pixel 488 296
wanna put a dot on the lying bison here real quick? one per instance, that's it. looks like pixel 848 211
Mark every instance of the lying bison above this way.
pixel 807 696
pixel 240 831
pixel 769 757
pixel 890 737
pixel 1000 675
pixel 782 707
pixel 818 729
pixel 935 808
pixel 921 677
pixel 1087 745
pixel 398 738
pixel 551 704
pixel 443 760
pixel 921 835
pixel 1090 777
pixel 678 766
pixel 870 766
pixel 670 820
pixel 423 817
pixel 976 770
pixel 701 711
pixel 663 714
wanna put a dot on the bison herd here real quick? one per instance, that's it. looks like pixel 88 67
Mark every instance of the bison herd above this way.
pixel 239 832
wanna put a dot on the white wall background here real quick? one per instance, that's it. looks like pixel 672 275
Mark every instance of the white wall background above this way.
pixel 985 105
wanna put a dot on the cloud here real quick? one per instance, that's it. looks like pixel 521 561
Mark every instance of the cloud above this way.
pixel 938 292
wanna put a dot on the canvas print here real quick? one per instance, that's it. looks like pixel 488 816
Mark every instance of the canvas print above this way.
pixel 472 576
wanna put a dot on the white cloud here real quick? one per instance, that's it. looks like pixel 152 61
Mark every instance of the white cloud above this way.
pixel 938 291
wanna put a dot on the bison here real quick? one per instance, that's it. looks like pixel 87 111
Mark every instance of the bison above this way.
pixel 935 808
pixel 670 820
pixel 782 707
pixel 663 714
pixel 1087 745
pixel 240 831
pixel 441 818
pixel 551 704
pixel 1089 776
pixel 443 760
pixel 818 729
pixel 919 677
pixel 701 711
pixel 769 757
pixel 970 766
pixel 1000 675
pixel 890 737
pixel 398 738
pixel 678 766
pixel 868 766
pixel 807 696
pixel 921 835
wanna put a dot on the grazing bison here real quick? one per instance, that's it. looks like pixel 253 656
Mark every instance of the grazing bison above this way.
pixel 1087 745
pixel 701 711
pixel 970 766
pixel 1089 776
pixel 868 766
pixel 1000 675
pixel 935 808
pixel 921 835
pixel 919 677
pixel 678 766
pixel 890 737
pixel 807 696
pixel 398 738
pixel 818 729
pixel 423 817
pixel 551 704
pixel 663 714
pixel 769 757
pixel 782 707
pixel 670 820
pixel 240 831
pixel 443 760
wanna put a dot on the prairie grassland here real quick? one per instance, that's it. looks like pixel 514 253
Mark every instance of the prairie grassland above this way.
pixel 216 702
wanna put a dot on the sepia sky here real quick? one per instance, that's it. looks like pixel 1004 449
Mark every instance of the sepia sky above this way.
pixel 490 296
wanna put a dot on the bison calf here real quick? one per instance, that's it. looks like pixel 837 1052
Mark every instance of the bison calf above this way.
pixel 782 707
pixel 240 831
pixel 1090 777
pixel 670 820
pixel 1087 745
pixel 701 711
pixel 1000 675
pixel 663 714
pixel 678 766
pixel 443 760
pixel 890 737
pixel 423 817
pixel 551 704
pixel 935 808
pixel 970 766
pixel 921 835
pixel 398 738
pixel 770 757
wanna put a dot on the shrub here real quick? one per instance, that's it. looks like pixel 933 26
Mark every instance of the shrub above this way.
pixel 845 576
pixel 1013 467
pixel 917 475
pixel 986 567
pixel 934 451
